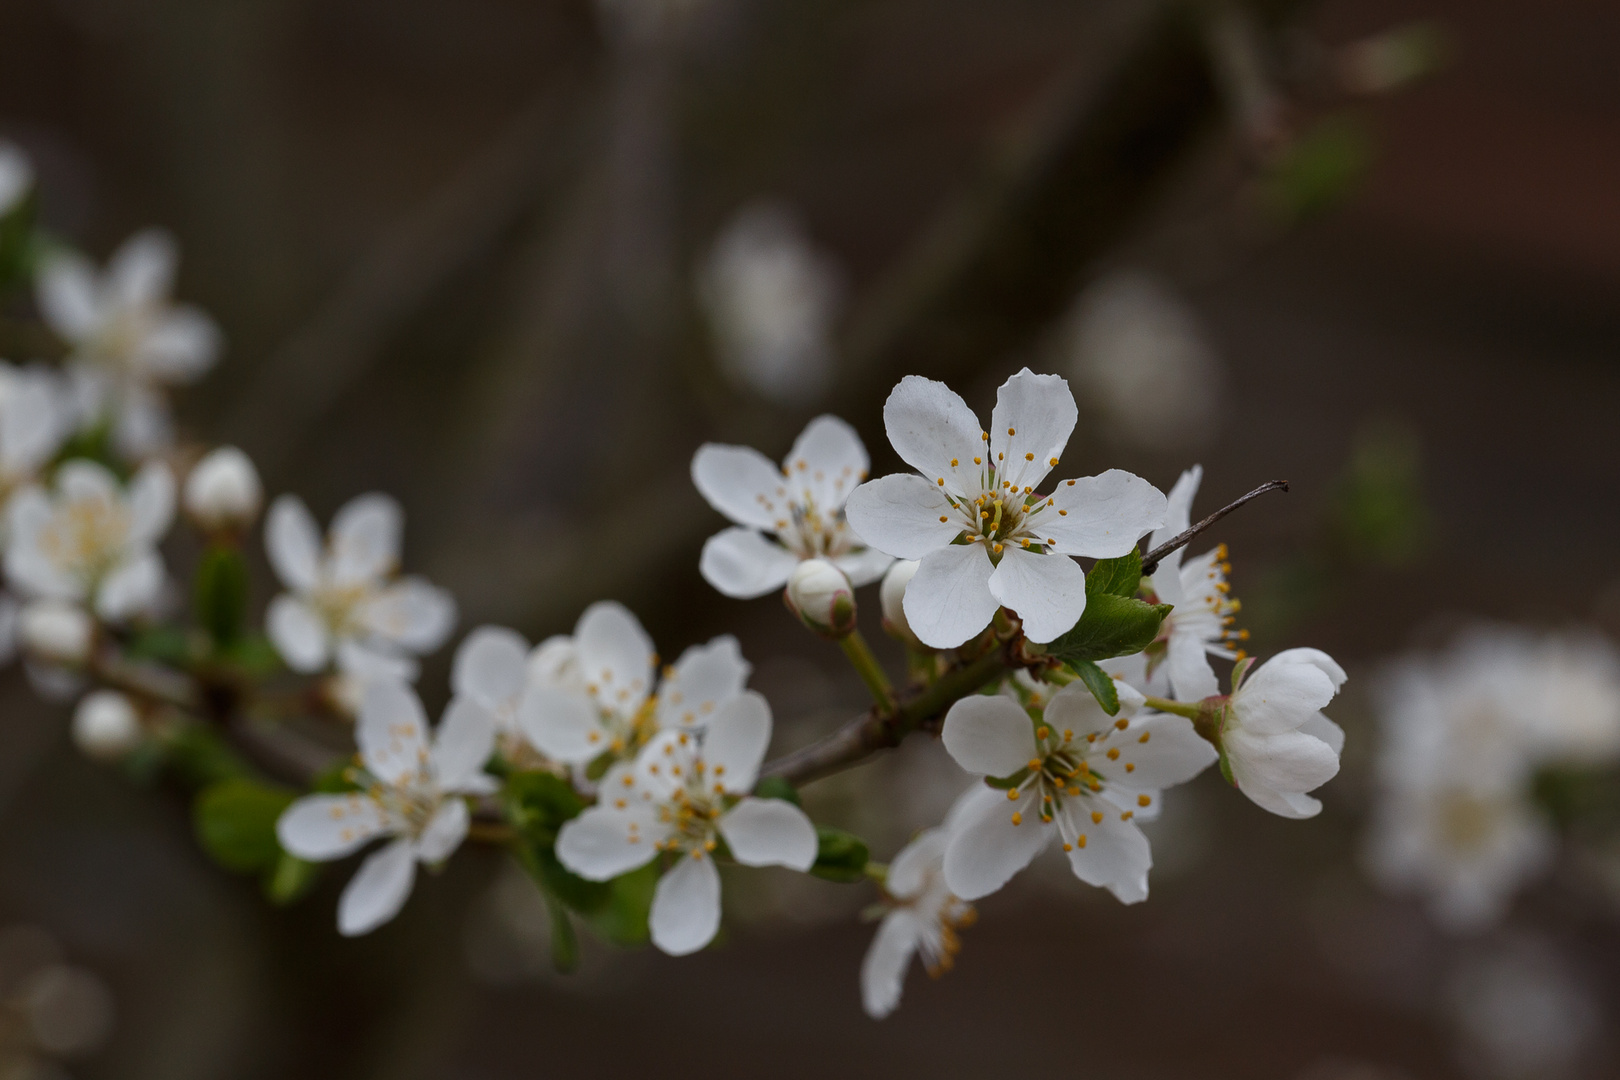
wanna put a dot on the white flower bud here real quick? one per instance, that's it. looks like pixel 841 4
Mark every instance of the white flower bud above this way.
pixel 822 597
pixel 892 594
pixel 57 631
pixel 105 725
pixel 223 490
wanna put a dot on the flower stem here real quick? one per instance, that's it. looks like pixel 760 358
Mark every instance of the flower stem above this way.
pixel 1180 708
pixel 867 667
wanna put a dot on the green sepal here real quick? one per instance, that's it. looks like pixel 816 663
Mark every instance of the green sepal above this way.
pixel 564 941
pixel 774 787
pixel 291 879
pixel 1097 681
pixel 623 920
pixel 1007 783
pixel 168 645
pixel 220 594
pixel 538 803
pixel 235 822
pixel 840 856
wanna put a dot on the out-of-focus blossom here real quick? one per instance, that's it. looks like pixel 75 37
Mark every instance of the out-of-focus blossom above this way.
pixel 1521 1012
pixel 979 487
pixel 106 726
pixel 223 490
pixel 592 694
pixel 771 300
pixel 784 515
pixel 16 176
pixel 1197 628
pixel 1275 743
pixel 345 602
pixel 675 798
pixel 56 631
pixel 90 540
pixel 52 1010
pixel 1139 355
pixel 412 793
pixel 128 340
pixel 35 419
pixel 1079 775
pixel 923 918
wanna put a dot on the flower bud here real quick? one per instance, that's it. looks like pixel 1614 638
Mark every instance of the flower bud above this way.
pixel 57 631
pixel 892 594
pixel 223 490
pixel 822 597
pixel 105 725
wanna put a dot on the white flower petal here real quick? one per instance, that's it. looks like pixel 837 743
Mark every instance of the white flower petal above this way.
pixel 769 832
pixel 182 345
pixel 1187 664
pixel 374 660
pixel 555 663
pixel 1276 770
pixel 411 612
pixel 67 295
pixel 490 666
pixel 29 567
pixel 991 736
pixel 322 827
pixel 131 588
pixel 742 484
pixel 736 741
pixel 604 842
pixel 293 542
pixel 615 655
pixel 929 426
pixel 377 892
pixel 1101 517
pixel 1047 591
pixel 1115 855
pixel 949 600
pixel 826 462
pixel 298 633
pixel 1177 519
pixel 392 731
pixel 704 678
pixel 864 565
pixel 1315 658
pixel 151 503
pixel 743 564
pixel 883 971
pixel 142 424
pixel 141 272
pixel 444 832
pixel 1074 708
pixel 365 539
pixel 1322 728
pixel 903 515
pixel 986 849
pixel 1281 696
pixel 81 480
pixel 1031 424
pixel 917 862
pixel 686 907
pixel 563 726
pixel 464 742
pixel 1156 751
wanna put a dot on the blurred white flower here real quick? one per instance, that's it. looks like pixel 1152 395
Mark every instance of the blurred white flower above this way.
pixel 1275 743
pixel 1197 628
pixel 1521 1012
pixel 106 726
pixel 223 490
pixel 16 176
pixel 128 340
pixel 56 631
pixel 412 792
pixel 771 300
pixel 786 515
pixel 980 487
pixel 90 540
pixel 35 419
pixel 1079 775
pixel 923 917
pixel 593 693
pixel 675 798
pixel 345 602
pixel 1140 357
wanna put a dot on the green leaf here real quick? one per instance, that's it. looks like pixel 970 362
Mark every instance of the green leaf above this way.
pixel 564 943
pixel 1115 577
pixel 840 856
pixel 1097 681
pixel 291 879
pixel 1111 626
pixel 220 594
pixel 1321 167
pixel 236 823
pixel 168 645
pixel 538 803
pixel 623 920
pixel 253 655
pixel 199 758
pixel 774 787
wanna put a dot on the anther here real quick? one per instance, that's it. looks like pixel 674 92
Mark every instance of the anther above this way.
pixel 1012 794
pixel 1146 735
pixel 1080 841
pixel 953 463
pixel 1129 767
pixel 1068 847
pixel 1017 819
pixel 942 481
pixel 1042 732
pixel 1029 457
pixel 1122 723
pixel 1096 817
pixel 1113 753
pixel 1144 800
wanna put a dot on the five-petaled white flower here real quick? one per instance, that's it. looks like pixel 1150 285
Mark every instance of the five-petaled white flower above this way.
pixel 784 515
pixel 1198 627
pixel 923 917
pixel 1275 743
pixel 412 792
pixel 35 419
pixel 683 797
pixel 345 601
pixel 90 540
pixel 128 340
pixel 1075 773
pixel 593 693
pixel 986 539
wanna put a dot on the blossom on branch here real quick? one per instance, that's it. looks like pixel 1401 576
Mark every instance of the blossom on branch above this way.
pixel 411 790
pixel 1275 743
pixel 683 795
pixel 985 538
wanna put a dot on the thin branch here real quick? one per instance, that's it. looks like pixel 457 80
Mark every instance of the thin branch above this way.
pixel 1150 561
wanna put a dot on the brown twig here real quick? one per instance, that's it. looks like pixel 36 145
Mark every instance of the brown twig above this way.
pixel 1150 561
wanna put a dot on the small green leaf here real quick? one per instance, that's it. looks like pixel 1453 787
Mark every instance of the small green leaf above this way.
pixel 840 856
pixel 774 787
pixel 538 803
pixel 291 879
pixel 1097 681
pixel 564 943
pixel 163 644
pixel 1111 626
pixel 236 823
pixel 220 594
pixel 199 758
pixel 623 920
pixel 1115 577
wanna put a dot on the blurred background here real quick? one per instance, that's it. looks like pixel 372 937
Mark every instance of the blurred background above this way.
pixel 514 260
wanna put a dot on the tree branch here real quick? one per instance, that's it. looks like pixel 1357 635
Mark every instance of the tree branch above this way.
pixel 1150 561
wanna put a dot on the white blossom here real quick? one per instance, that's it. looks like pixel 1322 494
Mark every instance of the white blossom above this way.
pixel 223 490
pixel 128 340
pixel 784 515
pixel 56 631
pixel 90 540
pixel 822 597
pixel 923 918
pixel 683 796
pixel 106 726
pixel 771 300
pixel 984 537
pixel 412 793
pixel 593 693
pixel 1076 774
pixel 1275 742
pixel 345 602
pixel 16 176
pixel 35 419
